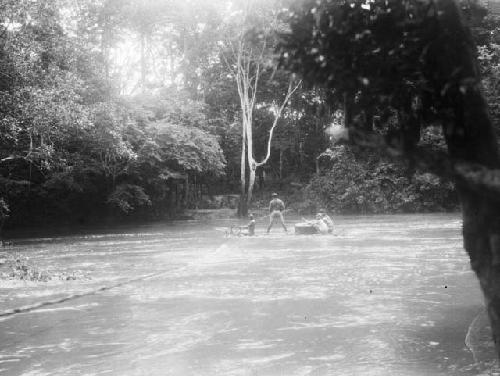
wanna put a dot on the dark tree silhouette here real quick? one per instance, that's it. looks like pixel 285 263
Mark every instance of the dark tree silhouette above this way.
pixel 419 58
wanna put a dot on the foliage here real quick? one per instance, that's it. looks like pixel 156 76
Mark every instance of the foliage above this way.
pixel 4 209
pixel 351 43
pixel 365 184
pixel 188 149
pixel 489 63
pixel 379 57
pixel 125 109
pixel 127 197
pixel 70 148
pixel 14 266
pixel 397 66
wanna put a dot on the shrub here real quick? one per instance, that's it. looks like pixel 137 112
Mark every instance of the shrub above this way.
pixel 128 197
pixel 367 184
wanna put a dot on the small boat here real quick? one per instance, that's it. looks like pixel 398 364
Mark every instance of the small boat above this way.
pixel 305 228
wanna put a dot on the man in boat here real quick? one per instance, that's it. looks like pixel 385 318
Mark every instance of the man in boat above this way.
pixel 326 218
pixel 276 208
pixel 322 224
pixel 251 226
pixel 248 230
pixel 319 224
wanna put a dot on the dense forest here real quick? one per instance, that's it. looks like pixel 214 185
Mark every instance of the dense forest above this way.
pixel 124 109
pixel 115 110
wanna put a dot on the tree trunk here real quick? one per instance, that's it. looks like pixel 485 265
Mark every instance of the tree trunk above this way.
pixel 176 193
pixel 481 232
pixel 250 159
pixel 186 192
pixel 369 112
pixel 471 142
pixel 143 62
pixel 251 183
pixel 301 153
pixel 348 109
pixel 185 63
pixel 105 43
pixel 242 206
pixel 281 164
pixel 261 178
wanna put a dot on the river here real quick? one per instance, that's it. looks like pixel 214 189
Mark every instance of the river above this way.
pixel 383 295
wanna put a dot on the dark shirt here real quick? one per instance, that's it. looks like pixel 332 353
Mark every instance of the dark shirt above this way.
pixel 276 204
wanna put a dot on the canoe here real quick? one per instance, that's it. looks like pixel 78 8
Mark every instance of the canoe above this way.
pixel 305 228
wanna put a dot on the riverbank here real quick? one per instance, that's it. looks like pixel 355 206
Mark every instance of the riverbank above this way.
pixel 300 199
pixel 18 267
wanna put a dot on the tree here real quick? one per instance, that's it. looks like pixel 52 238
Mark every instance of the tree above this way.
pixel 177 146
pixel 430 58
pixel 40 98
pixel 68 138
pixel 251 56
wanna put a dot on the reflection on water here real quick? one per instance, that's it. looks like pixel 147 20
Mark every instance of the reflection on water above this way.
pixel 385 295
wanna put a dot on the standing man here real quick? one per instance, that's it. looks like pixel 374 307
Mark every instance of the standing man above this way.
pixel 276 207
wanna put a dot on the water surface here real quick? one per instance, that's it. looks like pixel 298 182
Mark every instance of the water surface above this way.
pixel 384 295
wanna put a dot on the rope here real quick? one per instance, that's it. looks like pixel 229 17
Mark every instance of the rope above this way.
pixel 34 307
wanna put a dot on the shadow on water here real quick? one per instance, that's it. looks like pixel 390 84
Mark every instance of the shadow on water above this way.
pixel 384 295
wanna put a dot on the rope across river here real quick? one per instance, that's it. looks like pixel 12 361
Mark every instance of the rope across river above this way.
pixel 36 306
pixel 46 303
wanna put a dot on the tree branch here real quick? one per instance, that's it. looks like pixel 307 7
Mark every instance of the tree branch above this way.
pixel 12 158
pixel 277 116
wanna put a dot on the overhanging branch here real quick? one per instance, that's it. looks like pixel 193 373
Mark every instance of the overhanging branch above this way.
pixel 277 116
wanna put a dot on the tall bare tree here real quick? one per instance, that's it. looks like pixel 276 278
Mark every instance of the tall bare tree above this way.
pixel 250 55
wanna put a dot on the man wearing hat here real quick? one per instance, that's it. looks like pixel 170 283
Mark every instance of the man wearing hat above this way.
pixel 276 207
